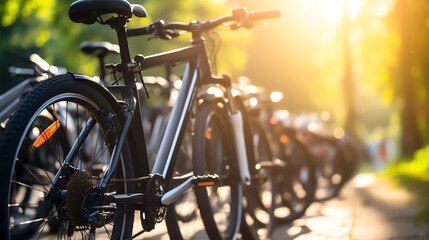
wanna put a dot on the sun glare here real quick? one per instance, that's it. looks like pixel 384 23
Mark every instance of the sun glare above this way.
pixel 383 7
pixel 334 9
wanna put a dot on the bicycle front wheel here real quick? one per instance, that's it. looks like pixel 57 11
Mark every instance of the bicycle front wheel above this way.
pixel 213 153
pixel 183 216
pixel 64 117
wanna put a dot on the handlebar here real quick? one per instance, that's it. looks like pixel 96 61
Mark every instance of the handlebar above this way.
pixel 242 18
pixel 17 71
pixel 264 15
pixel 41 68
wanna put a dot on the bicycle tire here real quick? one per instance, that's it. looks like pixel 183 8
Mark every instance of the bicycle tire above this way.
pixel 331 167
pixel 350 147
pixel 299 178
pixel 257 221
pixel 72 100
pixel 213 153
pixel 288 186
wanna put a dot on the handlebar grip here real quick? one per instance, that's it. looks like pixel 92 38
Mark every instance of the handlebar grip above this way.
pixel 264 15
pixel 39 62
pixel 139 31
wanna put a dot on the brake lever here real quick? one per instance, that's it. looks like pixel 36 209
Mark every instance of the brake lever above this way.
pixel 234 26
pixel 173 34
pixel 165 34
pixel 242 17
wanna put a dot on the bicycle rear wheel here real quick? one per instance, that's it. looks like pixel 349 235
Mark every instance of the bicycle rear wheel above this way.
pixel 38 138
pixel 213 153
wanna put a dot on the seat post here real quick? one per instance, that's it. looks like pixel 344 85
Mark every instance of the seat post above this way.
pixel 122 41
pixel 121 32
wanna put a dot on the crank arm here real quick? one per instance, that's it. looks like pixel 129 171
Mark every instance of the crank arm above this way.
pixel 277 163
pixel 136 198
pixel 194 181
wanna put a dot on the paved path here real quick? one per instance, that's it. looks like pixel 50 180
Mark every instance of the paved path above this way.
pixel 368 208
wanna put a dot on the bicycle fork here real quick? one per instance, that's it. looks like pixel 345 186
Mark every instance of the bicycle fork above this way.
pixel 238 130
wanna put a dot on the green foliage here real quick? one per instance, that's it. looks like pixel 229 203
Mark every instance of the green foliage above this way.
pixel 25 28
pixel 413 174
pixel 43 27
pixel 415 168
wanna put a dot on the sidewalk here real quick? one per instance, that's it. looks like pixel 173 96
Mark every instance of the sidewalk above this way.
pixel 368 208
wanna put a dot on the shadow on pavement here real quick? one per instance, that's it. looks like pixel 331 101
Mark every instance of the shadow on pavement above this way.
pixel 367 208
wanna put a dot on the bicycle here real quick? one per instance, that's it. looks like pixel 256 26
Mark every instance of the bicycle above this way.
pixel 90 192
pixel 100 50
pixel 299 173
pixel 41 71
pixel 333 166
pixel 288 181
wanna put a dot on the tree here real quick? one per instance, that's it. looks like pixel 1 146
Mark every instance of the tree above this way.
pixel 349 87
pixel 24 27
pixel 411 28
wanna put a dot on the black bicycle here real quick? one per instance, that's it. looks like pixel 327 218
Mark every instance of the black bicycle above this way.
pixel 93 187
pixel 100 50
pixel 287 180
pixel 40 71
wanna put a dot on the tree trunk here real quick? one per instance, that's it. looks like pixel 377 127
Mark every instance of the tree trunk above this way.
pixel 410 139
pixel 348 80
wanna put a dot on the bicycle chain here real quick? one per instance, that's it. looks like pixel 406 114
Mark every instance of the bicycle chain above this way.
pixel 153 211
pixel 120 180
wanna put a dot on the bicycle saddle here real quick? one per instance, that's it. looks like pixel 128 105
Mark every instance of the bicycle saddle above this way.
pixel 87 11
pixel 99 48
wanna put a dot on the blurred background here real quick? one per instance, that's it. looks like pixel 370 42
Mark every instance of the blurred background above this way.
pixel 366 62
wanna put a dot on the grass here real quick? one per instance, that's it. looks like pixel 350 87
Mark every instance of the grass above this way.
pixel 413 174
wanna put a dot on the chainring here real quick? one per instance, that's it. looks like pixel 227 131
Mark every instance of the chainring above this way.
pixel 154 211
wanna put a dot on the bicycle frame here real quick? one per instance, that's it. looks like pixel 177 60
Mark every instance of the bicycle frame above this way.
pixel 170 143
pixel 197 73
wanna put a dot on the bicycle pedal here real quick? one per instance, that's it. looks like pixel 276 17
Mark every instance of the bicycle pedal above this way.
pixel 205 180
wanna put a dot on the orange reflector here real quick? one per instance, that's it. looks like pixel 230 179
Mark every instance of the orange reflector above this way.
pixel 205 184
pixel 284 139
pixel 208 134
pixel 45 135
pixel 274 121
